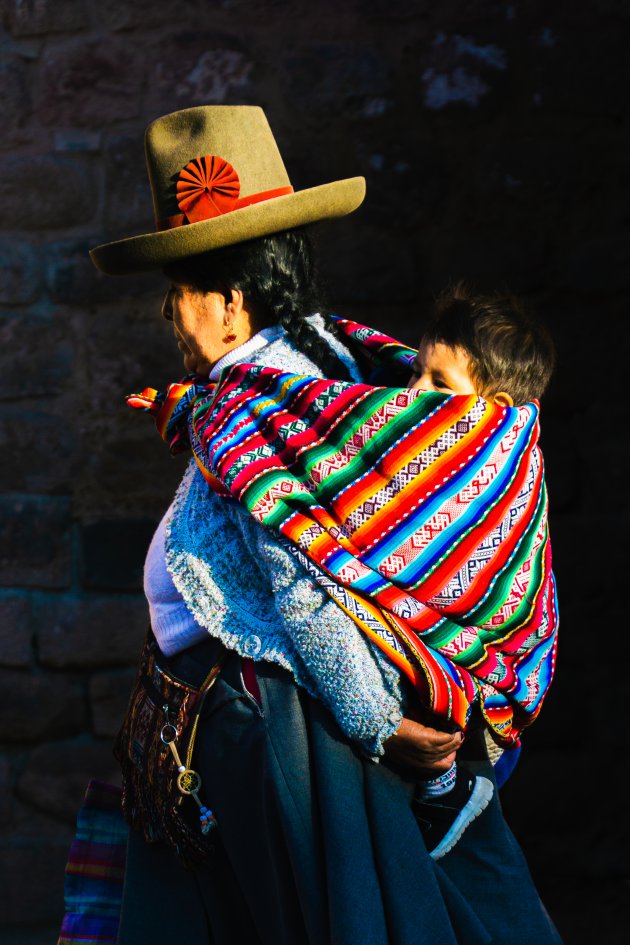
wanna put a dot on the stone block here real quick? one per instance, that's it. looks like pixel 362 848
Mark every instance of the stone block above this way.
pixel 403 178
pixel 142 13
pixel 35 548
pixel 6 796
pixel 89 632
pixel 72 278
pixel 370 266
pixel 16 106
pixel 113 553
pixel 78 139
pixel 16 630
pixel 131 475
pixel 55 775
pixel 28 823
pixel 326 81
pixel 91 84
pixel 31 879
pixel 20 272
pixel 39 192
pixel 38 706
pixel 109 698
pixel 128 205
pixel 39 17
pixel 27 433
pixel 198 66
pixel 130 345
pixel 36 357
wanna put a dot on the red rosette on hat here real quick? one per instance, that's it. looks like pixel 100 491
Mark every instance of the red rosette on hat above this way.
pixel 207 187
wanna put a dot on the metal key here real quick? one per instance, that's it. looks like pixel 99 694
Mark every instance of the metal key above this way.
pixel 188 780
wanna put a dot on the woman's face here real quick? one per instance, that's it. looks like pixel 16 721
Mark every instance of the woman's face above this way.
pixel 201 323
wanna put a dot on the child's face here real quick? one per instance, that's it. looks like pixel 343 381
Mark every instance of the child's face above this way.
pixel 440 368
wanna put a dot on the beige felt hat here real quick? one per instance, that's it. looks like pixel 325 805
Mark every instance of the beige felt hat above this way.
pixel 217 178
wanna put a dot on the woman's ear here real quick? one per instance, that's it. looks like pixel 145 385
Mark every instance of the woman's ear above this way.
pixel 502 397
pixel 237 304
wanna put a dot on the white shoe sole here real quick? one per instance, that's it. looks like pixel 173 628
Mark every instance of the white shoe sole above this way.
pixel 477 802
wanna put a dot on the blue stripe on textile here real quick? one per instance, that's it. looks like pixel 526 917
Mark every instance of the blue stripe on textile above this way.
pixel 421 566
pixel 264 406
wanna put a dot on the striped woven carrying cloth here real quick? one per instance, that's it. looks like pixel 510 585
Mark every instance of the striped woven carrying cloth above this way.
pixel 95 869
pixel 423 515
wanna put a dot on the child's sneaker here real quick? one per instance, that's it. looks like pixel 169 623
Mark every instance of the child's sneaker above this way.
pixel 443 819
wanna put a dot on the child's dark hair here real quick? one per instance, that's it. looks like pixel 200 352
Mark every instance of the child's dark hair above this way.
pixel 508 349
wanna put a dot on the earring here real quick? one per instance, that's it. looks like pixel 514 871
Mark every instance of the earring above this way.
pixel 229 335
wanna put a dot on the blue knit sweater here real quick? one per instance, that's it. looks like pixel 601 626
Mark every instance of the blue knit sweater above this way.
pixel 245 587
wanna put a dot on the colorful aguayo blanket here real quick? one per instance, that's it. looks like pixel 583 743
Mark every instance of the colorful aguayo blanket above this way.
pixel 95 869
pixel 424 515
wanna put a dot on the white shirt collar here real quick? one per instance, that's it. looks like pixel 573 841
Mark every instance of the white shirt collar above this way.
pixel 243 352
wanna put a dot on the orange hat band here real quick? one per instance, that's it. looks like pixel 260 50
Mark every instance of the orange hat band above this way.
pixel 209 187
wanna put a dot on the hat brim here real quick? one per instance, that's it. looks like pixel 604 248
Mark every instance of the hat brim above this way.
pixel 156 250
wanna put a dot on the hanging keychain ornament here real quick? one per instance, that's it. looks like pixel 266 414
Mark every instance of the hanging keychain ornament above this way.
pixel 188 780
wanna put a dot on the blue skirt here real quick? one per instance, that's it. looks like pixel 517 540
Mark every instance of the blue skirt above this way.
pixel 316 844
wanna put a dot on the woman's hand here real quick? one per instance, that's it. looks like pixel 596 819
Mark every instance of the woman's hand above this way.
pixel 421 751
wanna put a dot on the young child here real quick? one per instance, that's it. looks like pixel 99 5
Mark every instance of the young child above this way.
pixel 487 345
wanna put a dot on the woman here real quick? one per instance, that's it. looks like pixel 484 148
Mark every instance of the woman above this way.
pixel 315 841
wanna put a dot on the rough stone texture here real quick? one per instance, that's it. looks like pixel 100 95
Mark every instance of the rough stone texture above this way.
pixel 46 191
pixel 39 706
pixel 15 104
pixel 30 431
pixel 90 632
pixel 114 553
pixel 130 209
pixel 16 631
pixel 351 81
pixel 35 541
pixel 50 345
pixel 71 277
pixel 90 84
pixel 109 697
pixel 56 775
pixel 38 17
pixel 200 66
pixel 141 13
pixel 19 273
pixel 494 140
pixel 6 797
pixel 31 878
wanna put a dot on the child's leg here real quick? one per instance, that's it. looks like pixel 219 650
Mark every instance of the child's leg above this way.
pixel 445 806
pixel 426 790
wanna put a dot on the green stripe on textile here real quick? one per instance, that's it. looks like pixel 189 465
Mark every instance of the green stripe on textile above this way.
pixel 505 581
pixel 373 451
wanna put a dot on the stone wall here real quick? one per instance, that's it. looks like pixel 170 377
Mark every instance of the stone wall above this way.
pixel 494 140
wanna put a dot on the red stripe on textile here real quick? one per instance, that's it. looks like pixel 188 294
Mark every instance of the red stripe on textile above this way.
pixel 427 482
pixel 484 577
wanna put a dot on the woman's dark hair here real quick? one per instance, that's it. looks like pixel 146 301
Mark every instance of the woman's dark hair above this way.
pixel 509 349
pixel 278 278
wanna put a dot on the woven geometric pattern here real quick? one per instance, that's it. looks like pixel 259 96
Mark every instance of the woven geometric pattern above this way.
pixel 426 513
